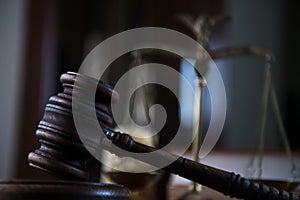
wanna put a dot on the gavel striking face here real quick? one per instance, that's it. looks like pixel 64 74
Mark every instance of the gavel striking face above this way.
pixel 62 153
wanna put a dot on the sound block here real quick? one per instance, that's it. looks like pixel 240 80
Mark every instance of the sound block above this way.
pixel 60 190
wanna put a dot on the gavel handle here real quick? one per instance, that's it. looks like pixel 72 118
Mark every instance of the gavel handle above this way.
pixel 228 183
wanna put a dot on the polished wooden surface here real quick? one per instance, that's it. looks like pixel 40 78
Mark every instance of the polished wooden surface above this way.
pixel 60 190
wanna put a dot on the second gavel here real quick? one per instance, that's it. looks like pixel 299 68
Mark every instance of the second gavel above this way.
pixel 63 154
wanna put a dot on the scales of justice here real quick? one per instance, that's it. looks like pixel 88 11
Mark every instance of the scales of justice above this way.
pixel 63 155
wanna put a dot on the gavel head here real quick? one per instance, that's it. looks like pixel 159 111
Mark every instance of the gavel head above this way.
pixel 61 152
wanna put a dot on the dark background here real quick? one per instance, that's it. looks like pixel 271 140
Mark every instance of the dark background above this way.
pixel 57 35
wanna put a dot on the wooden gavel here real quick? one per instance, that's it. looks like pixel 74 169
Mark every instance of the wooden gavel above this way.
pixel 63 154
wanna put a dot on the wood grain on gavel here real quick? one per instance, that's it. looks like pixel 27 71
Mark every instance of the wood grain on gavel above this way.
pixel 63 154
